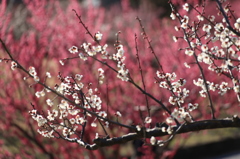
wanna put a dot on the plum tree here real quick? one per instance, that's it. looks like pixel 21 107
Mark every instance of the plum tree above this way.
pixel 162 79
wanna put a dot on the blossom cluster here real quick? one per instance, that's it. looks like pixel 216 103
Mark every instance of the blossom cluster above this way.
pixel 178 94
pixel 33 73
pixel 214 45
pixel 122 72
pixel 181 113
pixel 80 101
pixel 46 130
pixel 91 50
pixel 88 49
pixel 65 115
pixel 223 87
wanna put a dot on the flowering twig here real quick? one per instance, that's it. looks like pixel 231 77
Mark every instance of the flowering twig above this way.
pixel 117 43
pixel 197 62
pixel 226 18
pixel 60 95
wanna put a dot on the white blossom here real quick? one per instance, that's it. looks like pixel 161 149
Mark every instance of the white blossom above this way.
pixel 186 7
pixel 207 27
pixel 173 16
pixel 73 50
pixel 189 52
pixel 148 120
pixel 98 36
pixel 153 140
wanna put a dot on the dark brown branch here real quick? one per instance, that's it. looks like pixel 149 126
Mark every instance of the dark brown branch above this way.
pixel 157 131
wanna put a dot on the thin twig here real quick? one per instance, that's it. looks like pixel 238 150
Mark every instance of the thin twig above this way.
pixel 141 72
pixel 149 43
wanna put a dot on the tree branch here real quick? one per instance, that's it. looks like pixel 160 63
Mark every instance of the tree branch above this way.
pixel 157 131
